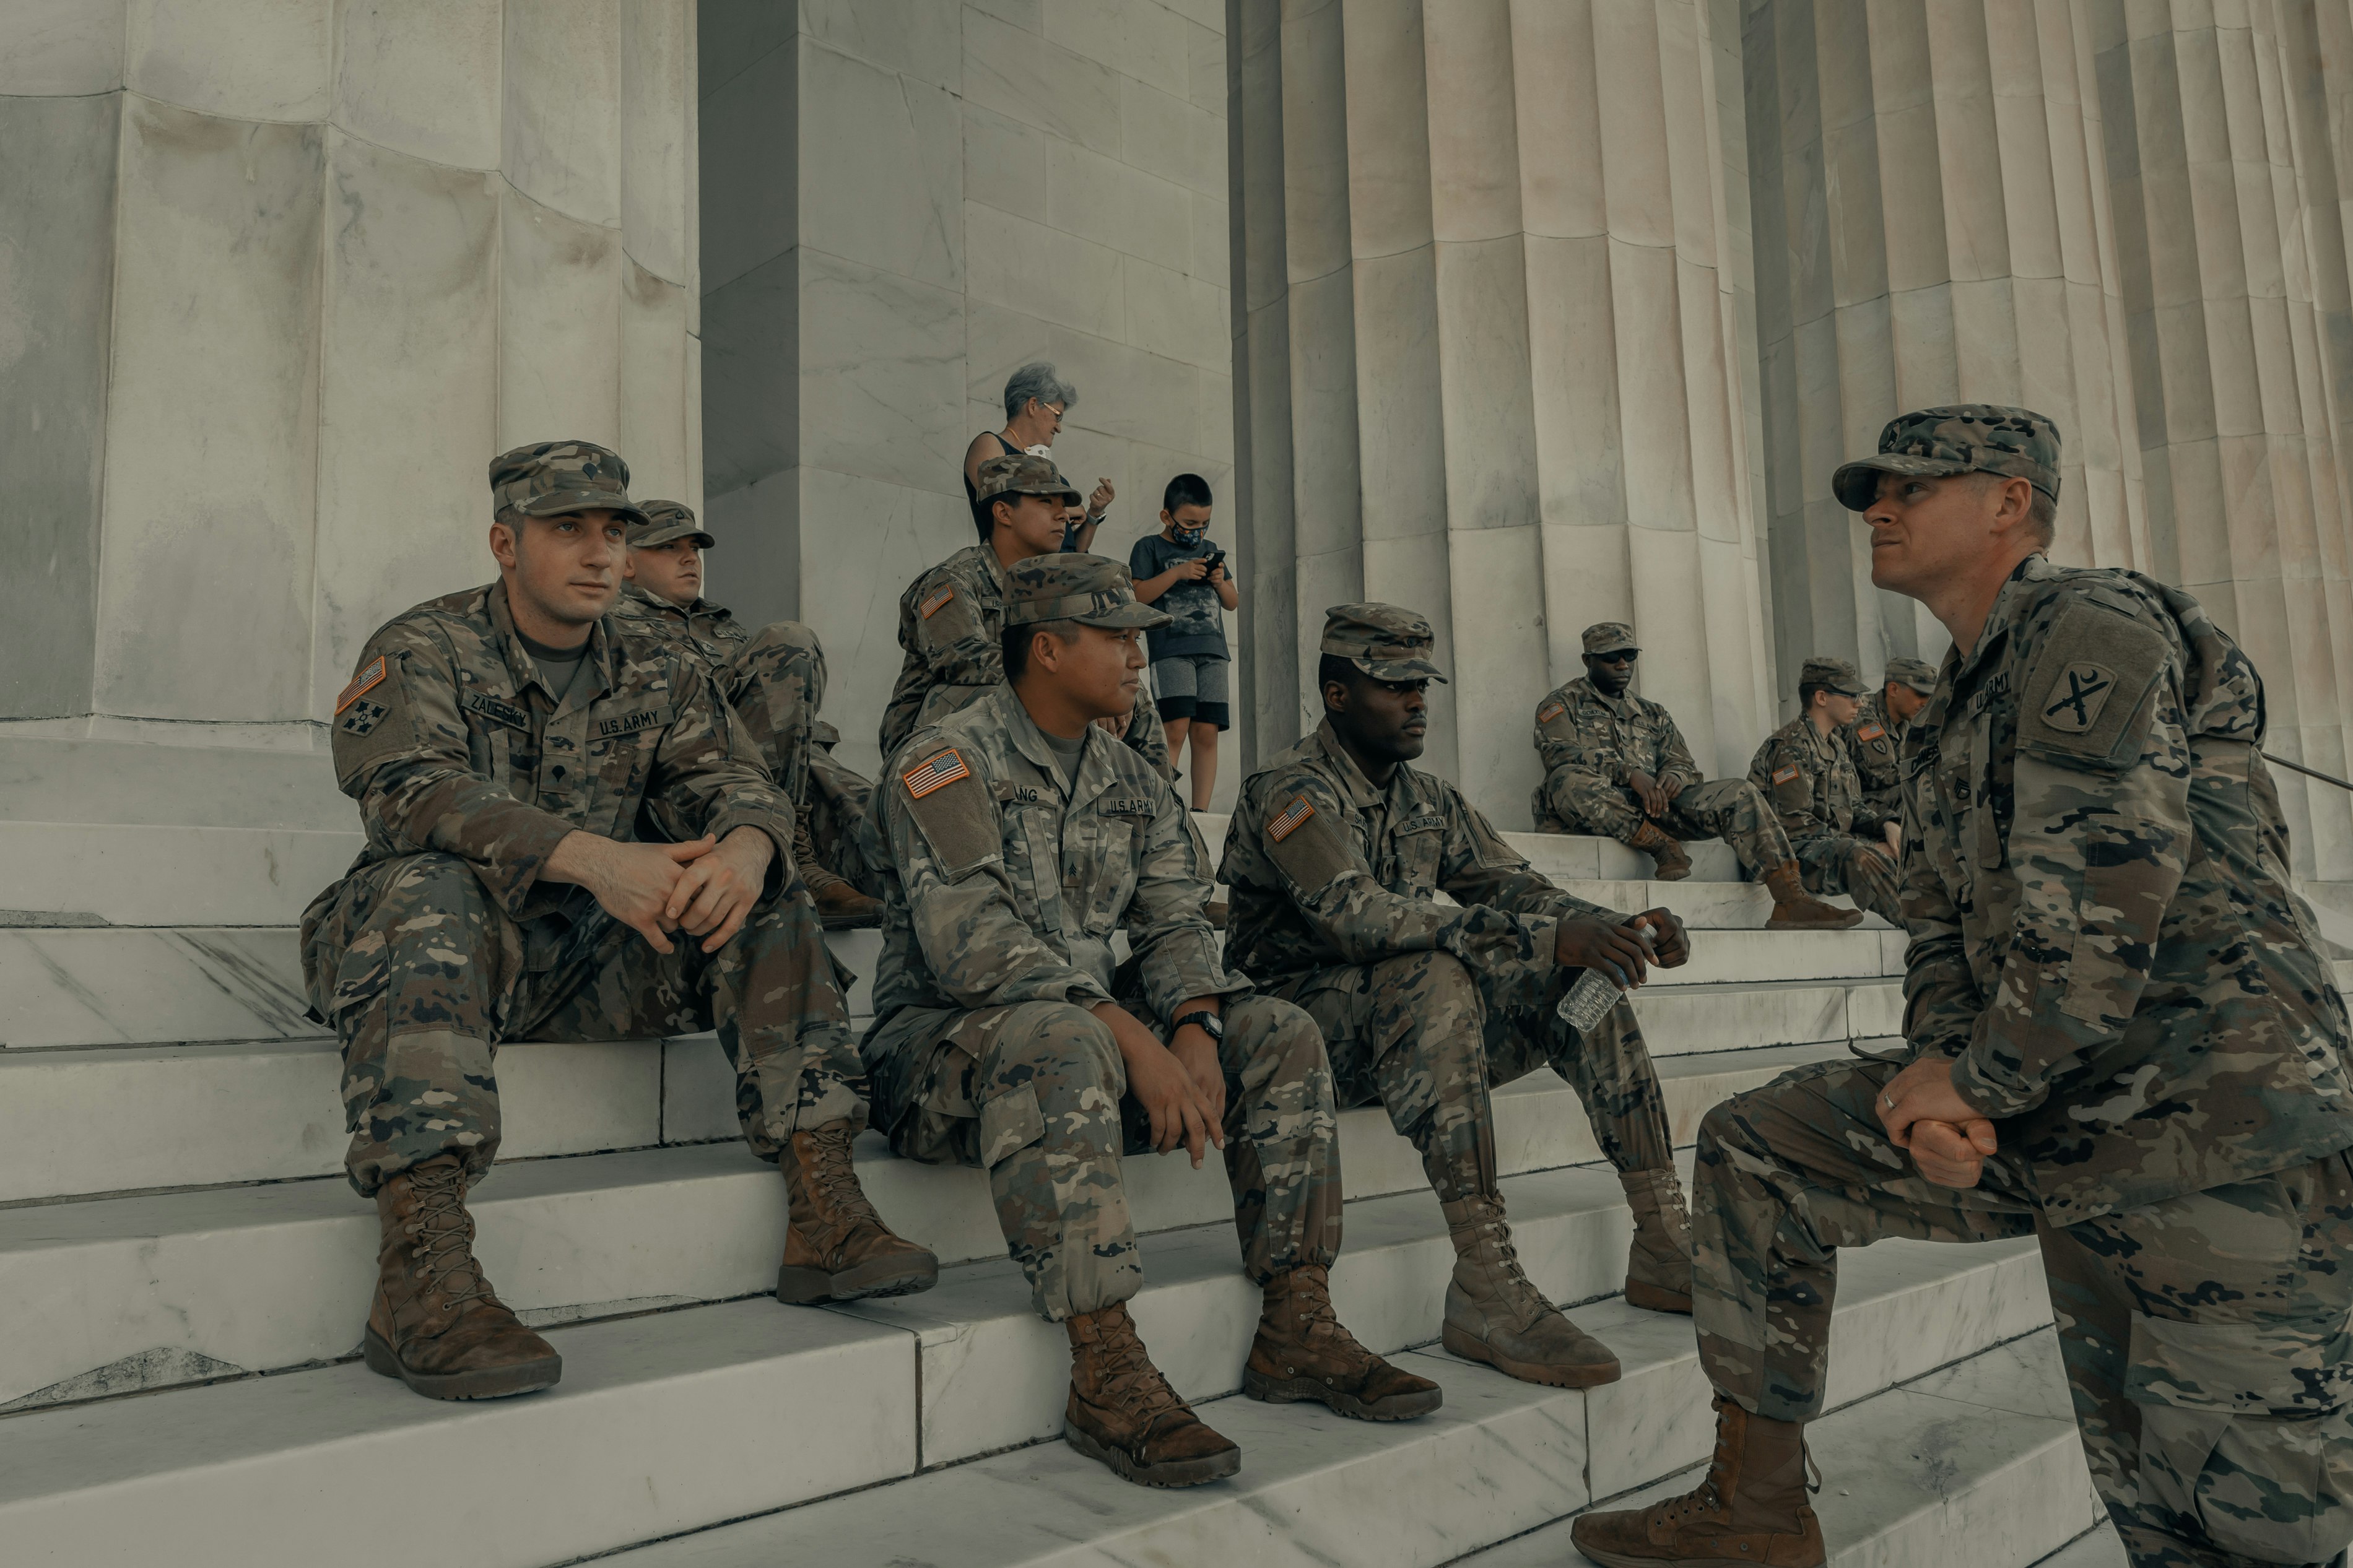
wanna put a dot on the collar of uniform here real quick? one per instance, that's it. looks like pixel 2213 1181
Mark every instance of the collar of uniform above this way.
pixel 524 669
pixel 1353 782
pixel 1622 707
pixel 636 595
pixel 2008 605
pixel 1095 770
pixel 1820 739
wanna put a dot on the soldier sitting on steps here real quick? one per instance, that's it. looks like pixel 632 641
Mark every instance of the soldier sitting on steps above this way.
pixel 1334 855
pixel 1875 738
pixel 774 679
pixel 1021 836
pixel 501 743
pixel 1616 764
pixel 1842 844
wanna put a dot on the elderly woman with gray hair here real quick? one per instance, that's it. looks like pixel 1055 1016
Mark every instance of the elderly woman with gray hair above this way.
pixel 1035 398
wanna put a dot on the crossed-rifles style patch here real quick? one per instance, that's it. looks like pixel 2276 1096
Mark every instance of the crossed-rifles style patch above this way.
pixel 2074 699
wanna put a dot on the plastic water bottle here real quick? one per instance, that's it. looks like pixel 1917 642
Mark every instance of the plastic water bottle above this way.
pixel 1588 1001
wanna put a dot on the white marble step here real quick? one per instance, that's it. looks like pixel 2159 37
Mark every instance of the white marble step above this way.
pixel 113 1294
pixel 145 874
pixel 1501 1458
pixel 1976 1465
pixel 1716 1017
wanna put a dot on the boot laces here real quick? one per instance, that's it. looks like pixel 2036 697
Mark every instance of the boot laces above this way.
pixel 1319 1322
pixel 832 1175
pixel 1531 1301
pixel 443 1249
pixel 1131 1379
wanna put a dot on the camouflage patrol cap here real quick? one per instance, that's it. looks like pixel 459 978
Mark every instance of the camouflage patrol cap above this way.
pixel 1023 474
pixel 667 521
pixel 1093 590
pixel 1916 673
pixel 1388 642
pixel 1833 674
pixel 1960 438
pixel 548 479
pixel 1609 636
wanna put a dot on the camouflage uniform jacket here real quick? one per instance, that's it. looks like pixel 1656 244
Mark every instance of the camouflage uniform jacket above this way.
pixel 1811 781
pixel 950 622
pixel 1872 743
pixel 1576 727
pixel 2104 940
pixel 1351 877
pixel 1003 890
pixel 449 742
pixel 710 629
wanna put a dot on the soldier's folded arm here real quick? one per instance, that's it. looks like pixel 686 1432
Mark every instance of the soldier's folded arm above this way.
pixel 1940 996
pixel 948 844
pixel 2098 843
pixel 416 780
pixel 1170 937
pixel 707 768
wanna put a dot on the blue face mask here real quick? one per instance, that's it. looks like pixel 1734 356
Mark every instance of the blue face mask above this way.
pixel 1188 536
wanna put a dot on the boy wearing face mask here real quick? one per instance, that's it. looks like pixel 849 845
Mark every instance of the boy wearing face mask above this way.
pixel 1182 572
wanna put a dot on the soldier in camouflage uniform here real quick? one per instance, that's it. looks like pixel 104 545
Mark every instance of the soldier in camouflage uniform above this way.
pixel 838 799
pixel 2122 1040
pixel 1804 770
pixel 1020 838
pixel 1874 740
pixel 501 743
pixel 951 618
pixel 1334 856
pixel 1616 764
pixel 775 679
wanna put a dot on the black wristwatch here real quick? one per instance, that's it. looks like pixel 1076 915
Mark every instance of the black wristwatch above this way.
pixel 1211 1024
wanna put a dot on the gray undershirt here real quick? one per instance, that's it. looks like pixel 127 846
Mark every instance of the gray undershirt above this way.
pixel 1066 754
pixel 558 667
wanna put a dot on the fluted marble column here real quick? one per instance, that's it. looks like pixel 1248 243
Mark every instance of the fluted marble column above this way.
pixel 1492 356
pixel 280 277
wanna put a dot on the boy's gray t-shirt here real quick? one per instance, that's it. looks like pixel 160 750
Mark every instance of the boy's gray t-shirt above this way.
pixel 1200 626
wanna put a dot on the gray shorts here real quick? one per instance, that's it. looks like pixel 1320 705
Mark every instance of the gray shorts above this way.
pixel 1193 685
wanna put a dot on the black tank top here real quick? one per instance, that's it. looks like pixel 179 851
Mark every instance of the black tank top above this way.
pixel 971 495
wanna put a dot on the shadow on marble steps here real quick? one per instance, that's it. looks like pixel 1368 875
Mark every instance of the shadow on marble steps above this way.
pixel 1973 1466
pixel 673 1421
pixel 144 1290
pixel 179 985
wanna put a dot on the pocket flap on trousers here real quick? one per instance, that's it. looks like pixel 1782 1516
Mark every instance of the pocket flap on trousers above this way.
pixel 2272 1369
pixel 1009 1124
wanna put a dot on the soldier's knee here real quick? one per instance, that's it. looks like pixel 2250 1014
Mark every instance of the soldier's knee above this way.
pixel 1283 1033
pixel 434 883
pixel 1063 1042
pixel 1719 1127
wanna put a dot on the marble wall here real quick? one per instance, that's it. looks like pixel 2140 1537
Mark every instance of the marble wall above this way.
pixel 901 200
pixel 1494 358
pixel 277 278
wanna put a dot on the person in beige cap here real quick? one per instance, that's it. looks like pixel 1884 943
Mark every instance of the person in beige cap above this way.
pixel 1874 739
pixel 501 743
pixel 950 617
pixel 774 679
pixel 1335 856
pixel 1616 764
pixel 1842 844
pixel 1021 837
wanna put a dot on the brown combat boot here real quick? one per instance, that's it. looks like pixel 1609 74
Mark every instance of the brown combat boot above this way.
pixel 434 1323
pixel 1659 1263
pixel 1494 1315
pixel 836 1248
pixel 1674 865
pixel 839 905
pixel 1301 1351
pixel 1751 1508
pixel 1794 908
pixel 1123 1412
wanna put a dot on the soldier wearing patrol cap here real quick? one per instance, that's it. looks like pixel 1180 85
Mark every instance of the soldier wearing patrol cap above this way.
pixel 2122 1039
pixel 501 743
pixel 1616 764
pixel 1334 856
pixel 1842 844
pixel 951 617
pixel 1021 836
pixel 774 679
pixel 1874 740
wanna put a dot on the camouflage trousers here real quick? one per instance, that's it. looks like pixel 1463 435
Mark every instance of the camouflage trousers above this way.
pixel 2204 1336
pixel 1426 1037
pixel 837 804
pixel 423 976
pixel 1573 800
pixel 1037 1095
pixel 775 683
pixel 1845 863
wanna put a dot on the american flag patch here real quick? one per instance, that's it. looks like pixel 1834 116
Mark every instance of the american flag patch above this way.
pixel 1784 775
pixel 937 602
pixel 934 772
pixel 1550 712
pixel 1287 822
pixel 361 682
pixel 1869 732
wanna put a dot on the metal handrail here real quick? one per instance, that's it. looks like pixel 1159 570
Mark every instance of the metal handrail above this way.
pixel 2308 773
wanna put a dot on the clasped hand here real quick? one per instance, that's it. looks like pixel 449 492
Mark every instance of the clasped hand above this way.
pixel 1926 1116
pixel 1584 942
pixel 707 888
